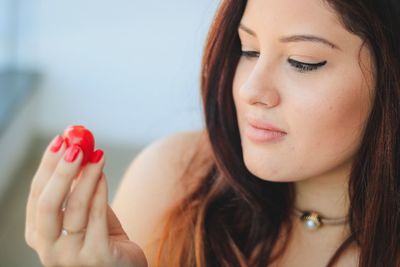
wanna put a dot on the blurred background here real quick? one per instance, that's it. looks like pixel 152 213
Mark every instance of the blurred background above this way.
pixel 127 70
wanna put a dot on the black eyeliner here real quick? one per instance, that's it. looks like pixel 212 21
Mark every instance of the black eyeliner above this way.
pixel 319 64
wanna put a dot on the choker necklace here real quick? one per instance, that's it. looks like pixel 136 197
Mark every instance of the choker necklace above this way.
pixel 312 220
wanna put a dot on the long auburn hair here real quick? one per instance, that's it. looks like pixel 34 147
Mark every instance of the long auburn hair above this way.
pixel 232 218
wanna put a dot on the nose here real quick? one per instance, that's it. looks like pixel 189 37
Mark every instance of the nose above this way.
pixel 260 88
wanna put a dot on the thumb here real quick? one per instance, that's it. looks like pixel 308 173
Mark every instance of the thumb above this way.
pixel 128 250
pixel 114 225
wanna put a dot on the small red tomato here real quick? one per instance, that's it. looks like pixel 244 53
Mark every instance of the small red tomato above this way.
pixel 79 135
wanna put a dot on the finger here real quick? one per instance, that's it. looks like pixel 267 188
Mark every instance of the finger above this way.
pixel 48 217
pixel 78 202
pixel 96 238
pixel 114 225
pixel 50 158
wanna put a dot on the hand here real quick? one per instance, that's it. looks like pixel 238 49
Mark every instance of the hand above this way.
pixel 86 231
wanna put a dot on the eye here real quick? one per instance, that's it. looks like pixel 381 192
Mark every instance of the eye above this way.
pixel 250 54
pixel 304 67
pixel 299 66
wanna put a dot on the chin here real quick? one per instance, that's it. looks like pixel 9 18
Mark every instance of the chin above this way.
pixel 275 179
pixel 264 171
pixel 272 172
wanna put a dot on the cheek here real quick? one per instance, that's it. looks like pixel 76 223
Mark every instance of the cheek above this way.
pixel 329 127
pixel 333 118
pixel 241 74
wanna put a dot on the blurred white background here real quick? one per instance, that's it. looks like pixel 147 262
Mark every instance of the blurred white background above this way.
pixel 128 70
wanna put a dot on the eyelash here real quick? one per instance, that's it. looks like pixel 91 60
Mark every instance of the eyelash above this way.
pixel 300 66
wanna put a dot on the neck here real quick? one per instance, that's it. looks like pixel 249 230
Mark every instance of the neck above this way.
pixel 326 194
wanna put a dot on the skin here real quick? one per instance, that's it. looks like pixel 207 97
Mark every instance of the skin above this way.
pixel 323 111
pixel 125 234
pixel 103 243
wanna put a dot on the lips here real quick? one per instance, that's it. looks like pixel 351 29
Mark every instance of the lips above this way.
pixel 262 124
pixel 261 131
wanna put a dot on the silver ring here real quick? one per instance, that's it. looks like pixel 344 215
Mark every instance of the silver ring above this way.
pixel 67 232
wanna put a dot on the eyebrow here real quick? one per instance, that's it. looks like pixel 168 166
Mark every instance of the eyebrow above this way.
pixel 295 38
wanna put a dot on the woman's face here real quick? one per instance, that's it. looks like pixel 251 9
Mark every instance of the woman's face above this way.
pixel 307 76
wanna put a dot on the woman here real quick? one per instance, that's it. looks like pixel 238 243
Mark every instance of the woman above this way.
pixel 298 164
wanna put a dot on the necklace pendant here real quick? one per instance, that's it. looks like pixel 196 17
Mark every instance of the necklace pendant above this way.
pixel 311 220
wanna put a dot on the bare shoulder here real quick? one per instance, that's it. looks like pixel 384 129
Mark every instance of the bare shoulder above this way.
pixel 153 183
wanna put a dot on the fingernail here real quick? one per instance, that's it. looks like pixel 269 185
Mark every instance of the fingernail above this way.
pixel 97 156
pixel 56 143
pixel 72 153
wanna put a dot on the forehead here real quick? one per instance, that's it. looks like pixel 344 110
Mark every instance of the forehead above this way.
pixel 267 17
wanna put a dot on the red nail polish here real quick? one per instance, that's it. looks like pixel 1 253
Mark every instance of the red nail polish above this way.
pixel 56 144
pixel 72 153
pixel 96 156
